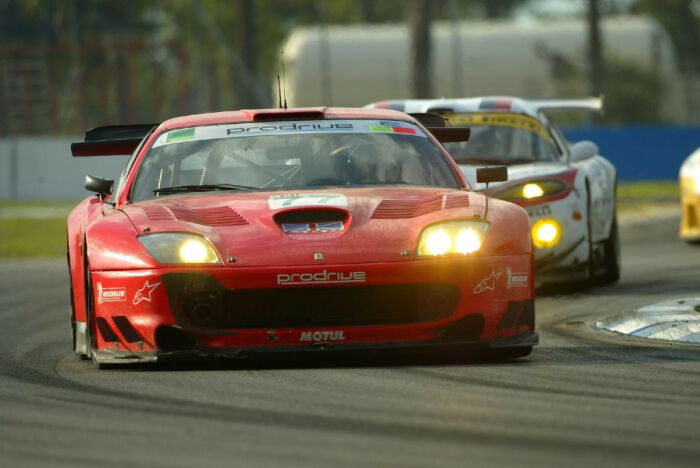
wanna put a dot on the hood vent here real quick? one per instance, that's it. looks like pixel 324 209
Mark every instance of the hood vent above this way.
pixel 393 208
pixel 216 216
pixel 158 213
pixel 456 200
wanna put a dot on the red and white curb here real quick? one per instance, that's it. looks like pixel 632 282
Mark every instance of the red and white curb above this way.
pixel 677 320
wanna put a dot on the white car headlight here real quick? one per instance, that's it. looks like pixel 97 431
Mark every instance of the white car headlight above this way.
pixel 546 233
pixel 452 237
pixel 172 247
pixel 532 190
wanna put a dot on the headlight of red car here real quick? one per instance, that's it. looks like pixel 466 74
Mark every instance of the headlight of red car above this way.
pixel 176 247
pixel 462 237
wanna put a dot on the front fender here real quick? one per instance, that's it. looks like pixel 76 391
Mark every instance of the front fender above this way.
pixel 78 219
pixel 113 245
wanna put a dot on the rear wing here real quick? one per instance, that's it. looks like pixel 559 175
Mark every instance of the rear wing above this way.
pixel 112 140
pixel 590 104
pixel 438 126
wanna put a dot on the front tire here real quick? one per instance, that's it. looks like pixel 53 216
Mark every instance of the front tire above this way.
pixel 590 263
pixel 611 260
pixel 89 308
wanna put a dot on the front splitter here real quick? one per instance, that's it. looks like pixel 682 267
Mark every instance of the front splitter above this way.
pixel 113 357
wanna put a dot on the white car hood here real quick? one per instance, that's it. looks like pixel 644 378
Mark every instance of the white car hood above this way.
pixel 515 172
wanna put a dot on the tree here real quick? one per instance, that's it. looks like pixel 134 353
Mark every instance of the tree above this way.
pixel 596 65
pixel 419 24
pixel 681 21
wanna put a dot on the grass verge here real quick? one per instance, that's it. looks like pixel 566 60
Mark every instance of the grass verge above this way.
pixel 647 196
pixel 64 204
pixel 32 238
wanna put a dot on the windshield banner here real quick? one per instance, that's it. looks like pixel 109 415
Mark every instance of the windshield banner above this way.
pixel 254 129
pixel 502 119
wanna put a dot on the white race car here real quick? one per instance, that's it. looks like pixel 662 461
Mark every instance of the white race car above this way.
pixel 567 189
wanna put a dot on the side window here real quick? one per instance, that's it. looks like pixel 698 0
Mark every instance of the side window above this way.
pixel 557 136
pixel 129 165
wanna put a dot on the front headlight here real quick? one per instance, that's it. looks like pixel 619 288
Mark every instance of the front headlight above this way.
pixel 452 237
pixel 532 190
pixel 172 247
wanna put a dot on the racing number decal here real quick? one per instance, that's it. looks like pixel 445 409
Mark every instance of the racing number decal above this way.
pixel 323 199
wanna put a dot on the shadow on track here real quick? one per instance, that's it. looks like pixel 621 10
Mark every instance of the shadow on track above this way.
pixel 329 360
pixel 594 355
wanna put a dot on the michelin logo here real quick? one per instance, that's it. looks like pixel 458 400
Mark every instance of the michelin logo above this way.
pixel 110 294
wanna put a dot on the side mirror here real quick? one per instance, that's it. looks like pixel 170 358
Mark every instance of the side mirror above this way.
pixel 102 187
pixel 485 175
pixel 583 150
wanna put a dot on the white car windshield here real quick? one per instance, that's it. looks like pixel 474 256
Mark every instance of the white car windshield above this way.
pixel 285 155
pixel 502 138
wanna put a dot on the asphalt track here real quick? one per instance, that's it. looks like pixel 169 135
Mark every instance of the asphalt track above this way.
pixel 583 398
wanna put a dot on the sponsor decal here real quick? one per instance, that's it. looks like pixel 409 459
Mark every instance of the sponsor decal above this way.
pixel 110 294
pixel 488 283
pixel 516 279
pixel 145 293
pixel 276 202
pixel 300 127
pixel 322 277
pixel 255 129
pixel 307 228
pixel 319 336
pixel 544 210
pixel 500 119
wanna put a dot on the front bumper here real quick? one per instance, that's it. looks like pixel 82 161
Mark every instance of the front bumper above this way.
pixel 143 314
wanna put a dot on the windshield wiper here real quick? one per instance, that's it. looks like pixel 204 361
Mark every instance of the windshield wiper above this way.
pixel 201 188
pixel 477 161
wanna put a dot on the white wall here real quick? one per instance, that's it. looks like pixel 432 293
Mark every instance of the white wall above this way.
pixel 46 169
pixel 372 63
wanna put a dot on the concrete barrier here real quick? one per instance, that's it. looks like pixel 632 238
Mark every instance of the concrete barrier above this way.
pixel 43 168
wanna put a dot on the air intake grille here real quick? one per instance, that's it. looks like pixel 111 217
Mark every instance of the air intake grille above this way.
pixel 320 307
pixel 158 213
pixel 216 216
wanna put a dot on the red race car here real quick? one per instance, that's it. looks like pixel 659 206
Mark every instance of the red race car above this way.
pixel 280 230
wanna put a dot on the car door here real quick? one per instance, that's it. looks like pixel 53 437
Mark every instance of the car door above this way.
pixel 600 175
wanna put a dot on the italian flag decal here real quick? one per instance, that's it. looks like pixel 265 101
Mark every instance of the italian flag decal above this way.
pixel 391 128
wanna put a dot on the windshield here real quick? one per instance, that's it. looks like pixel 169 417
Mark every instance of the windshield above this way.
pixel 502 138
pixel 291 155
